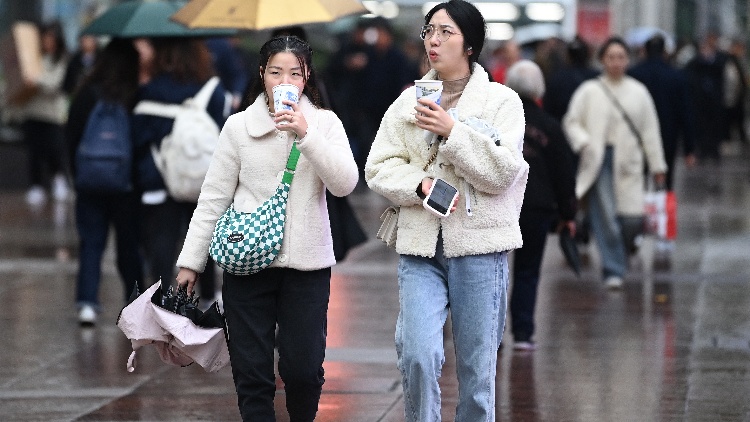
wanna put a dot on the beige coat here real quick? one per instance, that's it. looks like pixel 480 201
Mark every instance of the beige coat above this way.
pixel 495 174
pixel 246 169
pixel 49 104
pixel 593 121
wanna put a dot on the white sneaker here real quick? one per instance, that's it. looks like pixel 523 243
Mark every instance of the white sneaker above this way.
pixel 613 282
pixel 36 196
pixel 524 345
pixel 60 188
pixel 87 315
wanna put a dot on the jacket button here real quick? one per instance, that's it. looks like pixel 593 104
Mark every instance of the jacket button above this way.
pixel 282 257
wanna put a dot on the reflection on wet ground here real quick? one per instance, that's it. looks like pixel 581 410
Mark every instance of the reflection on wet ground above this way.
pixel 673 344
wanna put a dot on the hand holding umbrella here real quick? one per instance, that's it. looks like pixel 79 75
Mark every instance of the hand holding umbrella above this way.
pixel 179 339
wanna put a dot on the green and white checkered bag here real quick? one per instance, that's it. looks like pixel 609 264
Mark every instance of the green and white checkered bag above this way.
pixel 245 243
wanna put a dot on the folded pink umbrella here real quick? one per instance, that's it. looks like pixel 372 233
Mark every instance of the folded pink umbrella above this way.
pixel 178 340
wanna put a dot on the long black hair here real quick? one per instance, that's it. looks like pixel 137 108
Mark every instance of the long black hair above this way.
pixel 115 72
pixel 55 29
pixel 471 23
pixel 303 52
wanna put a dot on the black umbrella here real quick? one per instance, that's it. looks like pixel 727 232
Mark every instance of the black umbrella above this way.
pixel 171 322
pixel 570 250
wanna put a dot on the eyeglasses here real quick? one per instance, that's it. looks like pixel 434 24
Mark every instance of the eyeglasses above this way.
pixel 443 33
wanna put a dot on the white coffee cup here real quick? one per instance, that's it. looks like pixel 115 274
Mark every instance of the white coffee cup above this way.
pixel 430 88
pixel 283 92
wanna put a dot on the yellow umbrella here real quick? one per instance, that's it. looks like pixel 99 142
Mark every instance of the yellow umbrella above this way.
pixel 263 14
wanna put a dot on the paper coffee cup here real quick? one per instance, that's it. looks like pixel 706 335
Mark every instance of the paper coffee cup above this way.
pixel 429 88
pixel 283 92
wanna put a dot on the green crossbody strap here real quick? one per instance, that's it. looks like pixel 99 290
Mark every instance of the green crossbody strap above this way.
pixel 291 164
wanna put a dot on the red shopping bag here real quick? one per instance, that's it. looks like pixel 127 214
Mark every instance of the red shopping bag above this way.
pixel 671 210
pixel 660 212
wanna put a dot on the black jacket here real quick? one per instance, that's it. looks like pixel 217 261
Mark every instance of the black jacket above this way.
pixel 669 89
pixel 551 185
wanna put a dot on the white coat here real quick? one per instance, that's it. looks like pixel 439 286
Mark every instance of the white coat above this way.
pixel 246 169
pixel 592 122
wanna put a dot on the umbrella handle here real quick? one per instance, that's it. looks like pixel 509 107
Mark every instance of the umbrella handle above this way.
pixel 131 362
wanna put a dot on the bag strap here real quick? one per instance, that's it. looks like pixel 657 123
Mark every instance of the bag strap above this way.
pixel 291 163
pixel 433 156
pixel 625 116
pixel 154 108
pixel 170 111
pixel 203 96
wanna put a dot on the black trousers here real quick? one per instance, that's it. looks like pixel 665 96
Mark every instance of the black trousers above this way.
pixel 526 265
pixel 163 233
pixel 298 302
pixel 46 146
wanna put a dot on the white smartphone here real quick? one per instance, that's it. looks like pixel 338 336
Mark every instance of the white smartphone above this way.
pixel 440 199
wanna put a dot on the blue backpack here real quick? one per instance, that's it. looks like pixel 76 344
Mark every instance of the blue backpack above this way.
pixel 105 155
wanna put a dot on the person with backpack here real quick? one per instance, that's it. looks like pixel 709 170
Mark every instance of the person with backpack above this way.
pixel 100 149
pixel 174 137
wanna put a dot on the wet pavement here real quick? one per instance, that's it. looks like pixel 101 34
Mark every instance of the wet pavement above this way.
pixel 672 345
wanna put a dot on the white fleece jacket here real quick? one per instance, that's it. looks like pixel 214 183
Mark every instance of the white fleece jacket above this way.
pixel 496 174
pixel 246 168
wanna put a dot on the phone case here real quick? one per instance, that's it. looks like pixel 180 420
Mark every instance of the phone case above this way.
pixel 433 210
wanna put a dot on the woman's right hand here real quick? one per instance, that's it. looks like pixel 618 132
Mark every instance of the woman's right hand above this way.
pixel 188 277
pixel 426 185
pixel 430 116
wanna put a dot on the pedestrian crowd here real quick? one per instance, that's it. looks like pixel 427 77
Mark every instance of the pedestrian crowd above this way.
pixel 536 139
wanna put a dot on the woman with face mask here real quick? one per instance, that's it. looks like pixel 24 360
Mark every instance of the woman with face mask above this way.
pixel 293 291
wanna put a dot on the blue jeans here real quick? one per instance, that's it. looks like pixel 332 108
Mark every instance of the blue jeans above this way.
pixel 94 216
pixel 474 289
pixel 606 225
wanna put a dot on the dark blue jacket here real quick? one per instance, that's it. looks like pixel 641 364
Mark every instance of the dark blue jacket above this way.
pixel 560 88
pixel 669 89
pixel 150 130
pixel 229 65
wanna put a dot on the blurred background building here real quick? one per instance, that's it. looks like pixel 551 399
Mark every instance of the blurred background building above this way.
pixel 525 19
pixel 528 22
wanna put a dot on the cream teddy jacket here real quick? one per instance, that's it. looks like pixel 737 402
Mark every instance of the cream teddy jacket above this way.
pixel 592 122
pixel 246 168
pixel 50 104
pixel 495 174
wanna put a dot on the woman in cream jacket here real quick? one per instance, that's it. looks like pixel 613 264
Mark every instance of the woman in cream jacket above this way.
pixel 612 159
pixel 293 292
pixel 46 113
pixel 458 262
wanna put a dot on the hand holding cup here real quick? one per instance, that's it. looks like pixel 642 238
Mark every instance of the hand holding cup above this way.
pixel 288 116
pixel 430 116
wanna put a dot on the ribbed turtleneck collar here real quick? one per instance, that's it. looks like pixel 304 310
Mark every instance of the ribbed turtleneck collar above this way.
pixel 452 91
